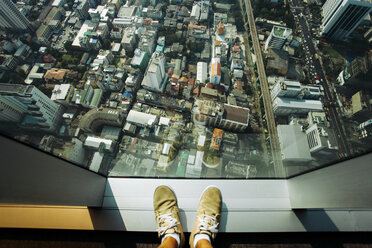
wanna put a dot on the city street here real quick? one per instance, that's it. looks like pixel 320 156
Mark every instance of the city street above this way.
pixel 329 100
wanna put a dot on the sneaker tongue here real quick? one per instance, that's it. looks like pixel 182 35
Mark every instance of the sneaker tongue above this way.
pixel 170 230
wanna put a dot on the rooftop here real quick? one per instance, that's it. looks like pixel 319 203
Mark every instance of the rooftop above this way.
pixel 282 32
pixel 236 113
pixel 13 88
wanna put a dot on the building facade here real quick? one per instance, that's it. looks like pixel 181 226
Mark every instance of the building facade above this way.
pixel 12 19
pixel 154 79
pixel 28 107
pixel 342 17
pixel 277 37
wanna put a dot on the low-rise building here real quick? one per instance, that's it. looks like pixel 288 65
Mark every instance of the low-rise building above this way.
pixel 293 144
pixel 224 116
pixel 286 106
pixel 140 59
pixel 129 40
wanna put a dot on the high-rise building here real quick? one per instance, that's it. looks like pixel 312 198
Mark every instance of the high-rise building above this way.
pixel 82 10
pixel 358 72
pixel 154 78
pixel 322 140
pixel 12 19
pixel 341 17
pixel 277 37
pixel 27 106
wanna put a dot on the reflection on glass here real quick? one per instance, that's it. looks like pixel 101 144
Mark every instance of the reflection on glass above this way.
pixel 188 89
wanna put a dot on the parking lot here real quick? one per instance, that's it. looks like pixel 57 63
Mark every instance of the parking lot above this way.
pixel 58 40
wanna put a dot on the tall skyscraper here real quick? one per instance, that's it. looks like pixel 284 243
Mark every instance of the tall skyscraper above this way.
pixel 12 19
pixel 27 106
pixel 277 37
pixel 342 17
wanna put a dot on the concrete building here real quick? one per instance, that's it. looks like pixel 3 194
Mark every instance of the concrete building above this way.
pixel 12 19
pixel 277 37
pixel 219 17
pixel 8 62
pixel 129 40
pixel 199 11
pixel 287 106
pixel 288 89
pixel 226 33
pixel 342 17
pixel 74 151
pixel 358 72
pixel 321 140
pixel 82 10
pixel 141 119
pixel 293 144
pixel 35 73
pixel 147 40
pixel 62 93
pixel 128 11
pixel 28 107
pixel 140 59
pixel 195 13
pixel 89 35
pixel 155 76
pixel 224 116
pixel 202 72
pixel 361 105
pixel 293 89
pixel 98 117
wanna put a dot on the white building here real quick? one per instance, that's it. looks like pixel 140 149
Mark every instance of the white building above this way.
pixel 199 11
pixel 342 17
pixel 195 12
pixel 294 89
pixel 293 144
pixel 321 140
pixel 194 165
pixel 61 92
pixel 129 39
pixel 141 119
pixel 28 104
pixel 34 74
pixel 202 72
pixel 288 89
pixel 277 37
pixel 287 106
pixel 98 143
pixel 155 76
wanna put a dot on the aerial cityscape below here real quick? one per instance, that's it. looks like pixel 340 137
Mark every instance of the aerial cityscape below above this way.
pixel 188 88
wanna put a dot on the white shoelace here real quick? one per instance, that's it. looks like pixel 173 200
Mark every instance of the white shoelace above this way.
pixel 166 218
pixel 208 223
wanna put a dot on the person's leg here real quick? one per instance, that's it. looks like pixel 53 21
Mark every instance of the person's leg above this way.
pixel 203 243
pixel 168 242
pixel 167 218
pixel 207 220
